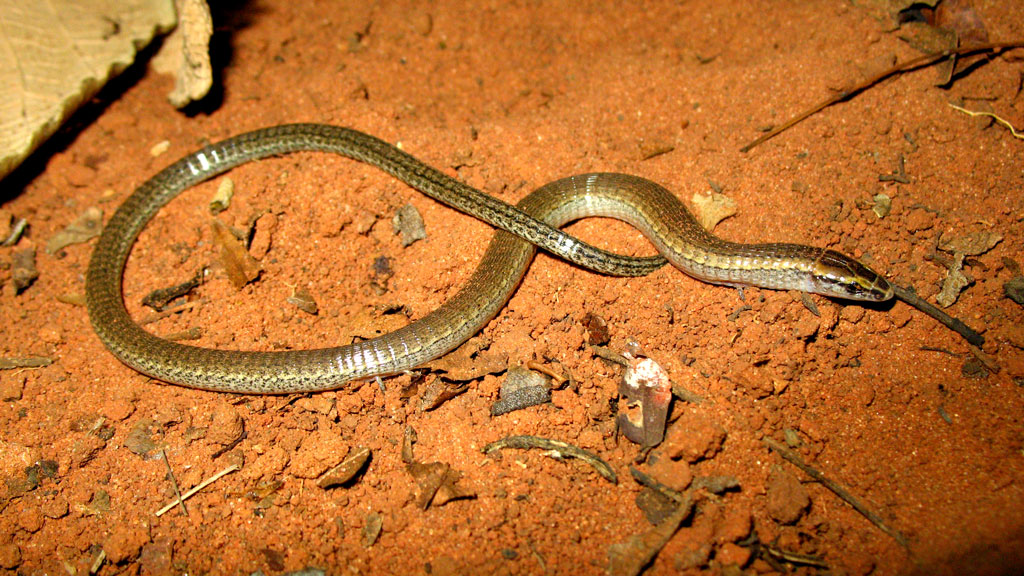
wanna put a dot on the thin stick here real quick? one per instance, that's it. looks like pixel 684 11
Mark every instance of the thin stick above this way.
pixel 954 324
pixel 919 62
pixel 174 482
pixel 1002 122
pixel 834 486
pixel 171 311
pixel 97 562
pixel 199 487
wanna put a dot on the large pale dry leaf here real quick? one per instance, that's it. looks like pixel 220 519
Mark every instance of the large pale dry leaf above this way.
pixel 56 55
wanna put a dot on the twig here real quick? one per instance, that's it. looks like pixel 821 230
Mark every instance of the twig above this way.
pixel 97 562
pixel 198 487
pixel 174 482
pixel 838 490
pixel 653 483
pixel 30 362
pixel 170 312
pixel 560 449
pixel 954 324
pixel 999 120
pixel 558 379
pixel 919 62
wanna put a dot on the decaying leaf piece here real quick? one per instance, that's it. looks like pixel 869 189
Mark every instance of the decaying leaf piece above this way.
pixel 522 388
pixel 946 25
pixel 186 54
pixel 86 227
pixel 973 244
pixel 437 392
pixel 438 483
pixel 304 301
pixel 23 268
pixel 630 557
pixel 882 205
pixel 239 265
pixel 713 208
pixel 372 529
pixel 954 283
pixel 469 362
pixel 409 224
pixel 1014 289
pixel 56 55
pixel 346 470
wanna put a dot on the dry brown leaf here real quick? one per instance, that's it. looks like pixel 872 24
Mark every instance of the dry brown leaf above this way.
pixel 469 362
pixel 87 226
pixel 239 265
pixel 971 244
pixel 954 283
pixel 346 470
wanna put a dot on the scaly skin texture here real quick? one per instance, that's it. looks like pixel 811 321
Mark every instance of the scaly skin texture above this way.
pixel 533 223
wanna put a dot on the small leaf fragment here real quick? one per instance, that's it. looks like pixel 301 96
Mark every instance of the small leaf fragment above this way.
pixel 713 208
pixel 372 529
pixel 86 227
pixel 973 244
pixel 23 268
pixel 954 283
pixel 409 224
pixel 344 472
pixel 304 301
pixel 882 205
pixel 241 268
pixel 522 388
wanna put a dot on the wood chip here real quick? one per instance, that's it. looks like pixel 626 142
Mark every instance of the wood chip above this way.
pixel 58 54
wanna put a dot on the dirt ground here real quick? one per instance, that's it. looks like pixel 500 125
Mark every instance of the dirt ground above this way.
pixel 507 97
